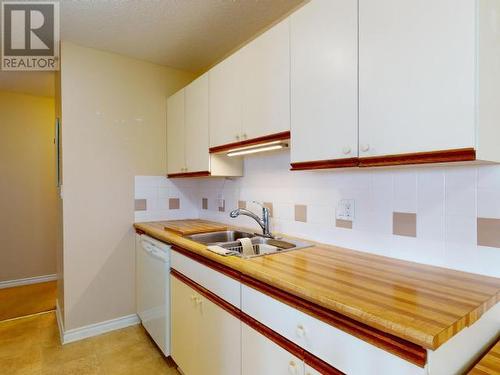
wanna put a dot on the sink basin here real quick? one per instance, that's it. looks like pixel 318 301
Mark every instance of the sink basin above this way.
pixel 218 238
pixel 261 245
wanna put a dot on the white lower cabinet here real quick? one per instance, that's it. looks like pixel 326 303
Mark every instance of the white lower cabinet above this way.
pixel 206 339
pixel 263 357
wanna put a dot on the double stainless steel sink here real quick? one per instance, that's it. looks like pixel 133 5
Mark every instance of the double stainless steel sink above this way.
pixel 261 245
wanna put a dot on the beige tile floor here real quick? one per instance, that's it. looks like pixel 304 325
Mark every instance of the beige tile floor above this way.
pixel 31 345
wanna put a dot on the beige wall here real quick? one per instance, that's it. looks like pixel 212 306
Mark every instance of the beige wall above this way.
pixel 114 127
pixel 28 197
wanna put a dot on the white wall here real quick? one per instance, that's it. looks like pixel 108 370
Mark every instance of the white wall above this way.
pixel 113 128
pixel 446 200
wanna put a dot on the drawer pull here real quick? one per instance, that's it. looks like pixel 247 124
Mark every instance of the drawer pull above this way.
pixel 300 331
pixel 292 368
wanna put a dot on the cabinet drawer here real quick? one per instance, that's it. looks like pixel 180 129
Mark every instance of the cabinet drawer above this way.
pixel 336 347
pixel 222 285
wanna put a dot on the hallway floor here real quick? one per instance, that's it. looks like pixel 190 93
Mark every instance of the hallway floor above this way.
pixel 27 300
pixel 31 345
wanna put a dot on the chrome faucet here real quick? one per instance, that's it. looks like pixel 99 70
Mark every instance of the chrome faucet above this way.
pixel 263 222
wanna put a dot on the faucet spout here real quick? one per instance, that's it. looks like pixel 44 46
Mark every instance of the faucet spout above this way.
pixel 263 222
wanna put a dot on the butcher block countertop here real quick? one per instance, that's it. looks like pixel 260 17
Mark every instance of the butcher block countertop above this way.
pixel 424 305
pixel 490 363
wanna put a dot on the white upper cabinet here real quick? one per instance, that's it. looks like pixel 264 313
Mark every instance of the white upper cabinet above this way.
pixel 324 81
pixel 250 90
pixel 188 135
pixel 416 76
pixel 196 125
pixel 225 101
pixel 176 159
pixel 265 83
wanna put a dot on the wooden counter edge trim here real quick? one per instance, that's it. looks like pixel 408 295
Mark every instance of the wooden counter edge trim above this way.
pixel 402 348
pixel 442 156
pixel 324 164
pixel 251 142
pixel 275 337
pixel 207 294
pixel 228 271
pixel 189 174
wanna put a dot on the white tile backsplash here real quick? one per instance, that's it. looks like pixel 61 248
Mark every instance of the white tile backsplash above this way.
pixel 157 190
pixel 446 200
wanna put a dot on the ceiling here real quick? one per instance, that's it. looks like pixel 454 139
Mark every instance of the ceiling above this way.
pixel 184 34
pixel 190 35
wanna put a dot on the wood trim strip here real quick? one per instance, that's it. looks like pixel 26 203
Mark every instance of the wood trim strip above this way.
pixel 442 156
pixel 320 365
pixel 325 164
pixel 251 142
pixel 207 294
pixel 275 337
pixel 189 174
pixel 404 349
pixel 209 263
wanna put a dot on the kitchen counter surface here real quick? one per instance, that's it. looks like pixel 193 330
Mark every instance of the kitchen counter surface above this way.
pixel 424 305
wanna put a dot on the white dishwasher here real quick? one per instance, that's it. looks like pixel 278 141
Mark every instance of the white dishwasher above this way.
pixel 153 289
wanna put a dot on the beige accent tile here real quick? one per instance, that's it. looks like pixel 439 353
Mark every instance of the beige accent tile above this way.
pixel 204 203
pixel 222 207
pixel 404 224
pixel 174 203
pixel 301 213
pixel 488 232
pixel 141 204
pixel 242 204
pixel 269 205
pixel 346 224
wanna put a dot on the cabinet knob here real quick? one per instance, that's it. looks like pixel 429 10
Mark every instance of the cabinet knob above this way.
pixel 237 137
pixel 244 136
pixel 193 298
pixel 300 331
pixel 365 147
pixel 292 368
pixel 346 150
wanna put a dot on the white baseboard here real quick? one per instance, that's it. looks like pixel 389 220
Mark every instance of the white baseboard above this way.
pixel 96 329
pixel 27 281
pixel 60 323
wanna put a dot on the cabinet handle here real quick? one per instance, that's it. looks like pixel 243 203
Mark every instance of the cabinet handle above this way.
pixel 198 301
pixel 292 368
pixel 300 331
pixel 193 298
pixel 365 147
pixel 237 137
pixel 244 136
pixel 346 150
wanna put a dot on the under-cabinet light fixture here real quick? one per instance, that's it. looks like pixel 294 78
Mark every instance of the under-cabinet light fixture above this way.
pixel 254 149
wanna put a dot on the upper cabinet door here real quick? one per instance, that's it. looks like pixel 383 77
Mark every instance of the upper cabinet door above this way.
pixel 324 81
pixel 176 161
pixel 265 85
pixel 416 76
pixel 196 125
pixel 225 101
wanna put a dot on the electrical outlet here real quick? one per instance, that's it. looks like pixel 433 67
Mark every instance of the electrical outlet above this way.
pixel 345 210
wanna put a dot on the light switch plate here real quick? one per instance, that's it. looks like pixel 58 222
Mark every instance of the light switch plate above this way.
pixel 345 210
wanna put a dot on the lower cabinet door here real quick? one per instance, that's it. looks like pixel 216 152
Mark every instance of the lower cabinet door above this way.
pixel 185 325
pixel 263 357
pixel 206 339
pixel 308 370
pixel 220 340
